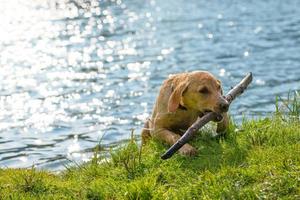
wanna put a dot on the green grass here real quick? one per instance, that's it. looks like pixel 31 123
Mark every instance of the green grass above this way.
pixel 259 159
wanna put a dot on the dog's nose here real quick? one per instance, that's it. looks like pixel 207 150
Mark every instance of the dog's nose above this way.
pixel 224 106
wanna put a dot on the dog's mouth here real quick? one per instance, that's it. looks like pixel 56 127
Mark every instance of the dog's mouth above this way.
pixel 205 111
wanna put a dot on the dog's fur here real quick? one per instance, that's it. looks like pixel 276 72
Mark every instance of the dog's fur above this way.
pixel 182 98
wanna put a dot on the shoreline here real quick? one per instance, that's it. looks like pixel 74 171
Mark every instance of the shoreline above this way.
pixel 259 159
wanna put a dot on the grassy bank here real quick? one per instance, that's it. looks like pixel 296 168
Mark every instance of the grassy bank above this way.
pixel 260 159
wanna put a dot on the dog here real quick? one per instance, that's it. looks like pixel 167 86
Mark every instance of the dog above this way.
pixel 182 99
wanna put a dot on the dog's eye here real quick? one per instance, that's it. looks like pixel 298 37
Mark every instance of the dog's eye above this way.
pixel 219 87
pixel 204 90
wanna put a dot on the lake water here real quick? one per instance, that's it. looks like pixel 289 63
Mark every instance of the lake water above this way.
pixel 73 72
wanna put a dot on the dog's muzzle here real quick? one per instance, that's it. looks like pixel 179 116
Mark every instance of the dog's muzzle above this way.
pixel 223 105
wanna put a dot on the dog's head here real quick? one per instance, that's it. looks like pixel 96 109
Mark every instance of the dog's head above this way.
pixel 199 91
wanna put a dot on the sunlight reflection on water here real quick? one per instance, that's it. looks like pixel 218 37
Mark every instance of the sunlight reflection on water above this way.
pixel 73 72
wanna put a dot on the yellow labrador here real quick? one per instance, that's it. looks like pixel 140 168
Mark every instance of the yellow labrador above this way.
pixel 182 98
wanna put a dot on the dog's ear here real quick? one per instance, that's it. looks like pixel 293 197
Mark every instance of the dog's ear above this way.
pixel 176 95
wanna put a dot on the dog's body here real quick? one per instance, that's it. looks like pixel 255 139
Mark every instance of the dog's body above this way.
pixel 182 98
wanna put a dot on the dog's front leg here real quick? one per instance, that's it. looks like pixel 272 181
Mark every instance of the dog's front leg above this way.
pixel 170 138
pixel 222 126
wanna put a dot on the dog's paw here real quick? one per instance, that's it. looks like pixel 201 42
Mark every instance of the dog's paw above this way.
pixel 187 150
pixel 220 136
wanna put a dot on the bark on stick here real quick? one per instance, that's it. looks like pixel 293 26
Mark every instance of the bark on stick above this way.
pixel 200 122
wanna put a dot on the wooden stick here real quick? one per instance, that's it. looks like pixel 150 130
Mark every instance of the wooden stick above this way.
pixel 200 122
